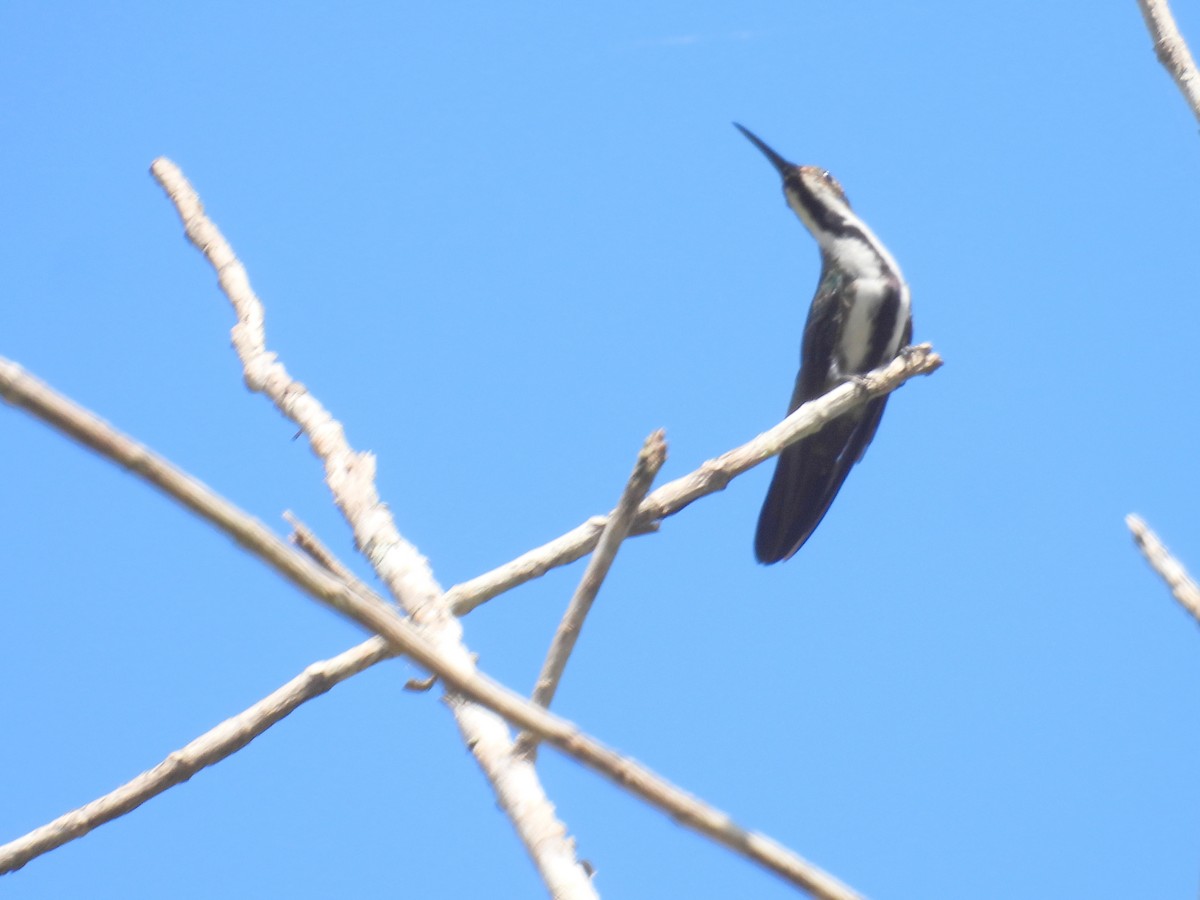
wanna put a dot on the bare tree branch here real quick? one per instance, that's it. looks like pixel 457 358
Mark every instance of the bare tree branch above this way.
pixel 206 750
pixel 1186 591
pixel 371 611
pixel 351 479
pixel 651 458
pixel 1172 50
pixel 710 477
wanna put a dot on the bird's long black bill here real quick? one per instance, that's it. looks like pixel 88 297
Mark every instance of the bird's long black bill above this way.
pixel 807 478
pixel 781 164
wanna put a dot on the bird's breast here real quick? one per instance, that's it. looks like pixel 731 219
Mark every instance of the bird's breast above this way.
pixel 875 316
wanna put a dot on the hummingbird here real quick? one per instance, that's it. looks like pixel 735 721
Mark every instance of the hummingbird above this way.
pixel 860 318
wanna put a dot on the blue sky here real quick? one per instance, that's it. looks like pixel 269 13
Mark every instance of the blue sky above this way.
pixel 504 243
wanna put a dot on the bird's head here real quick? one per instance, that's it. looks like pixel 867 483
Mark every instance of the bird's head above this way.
pixel 813 194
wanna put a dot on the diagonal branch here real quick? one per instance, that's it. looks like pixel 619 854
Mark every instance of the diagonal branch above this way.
pixel 710 477
pixel 207 750
pixel 651 458
pixel 1185 590
pixel 1172 50
pixel 407 574
pixel 373 613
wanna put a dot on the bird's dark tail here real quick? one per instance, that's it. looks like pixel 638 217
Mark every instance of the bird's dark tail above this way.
pixel 807 477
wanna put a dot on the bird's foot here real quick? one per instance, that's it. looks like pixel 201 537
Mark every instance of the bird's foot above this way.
pixel 862 382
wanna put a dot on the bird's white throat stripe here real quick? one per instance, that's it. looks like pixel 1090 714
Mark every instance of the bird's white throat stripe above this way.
pixel 858 258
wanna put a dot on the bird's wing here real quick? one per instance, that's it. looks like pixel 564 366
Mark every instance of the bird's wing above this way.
pixel 807 477
pixel 809 474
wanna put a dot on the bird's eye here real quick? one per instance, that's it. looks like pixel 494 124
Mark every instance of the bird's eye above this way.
pixel 833 184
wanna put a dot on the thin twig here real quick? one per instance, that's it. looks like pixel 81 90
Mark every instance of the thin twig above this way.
pixel 1185 590
pixel 372 612
pixel 710 477
pixel 306 539
pixel 650 459
pixel 350 476
pixel 208 749
pixel 1172 50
